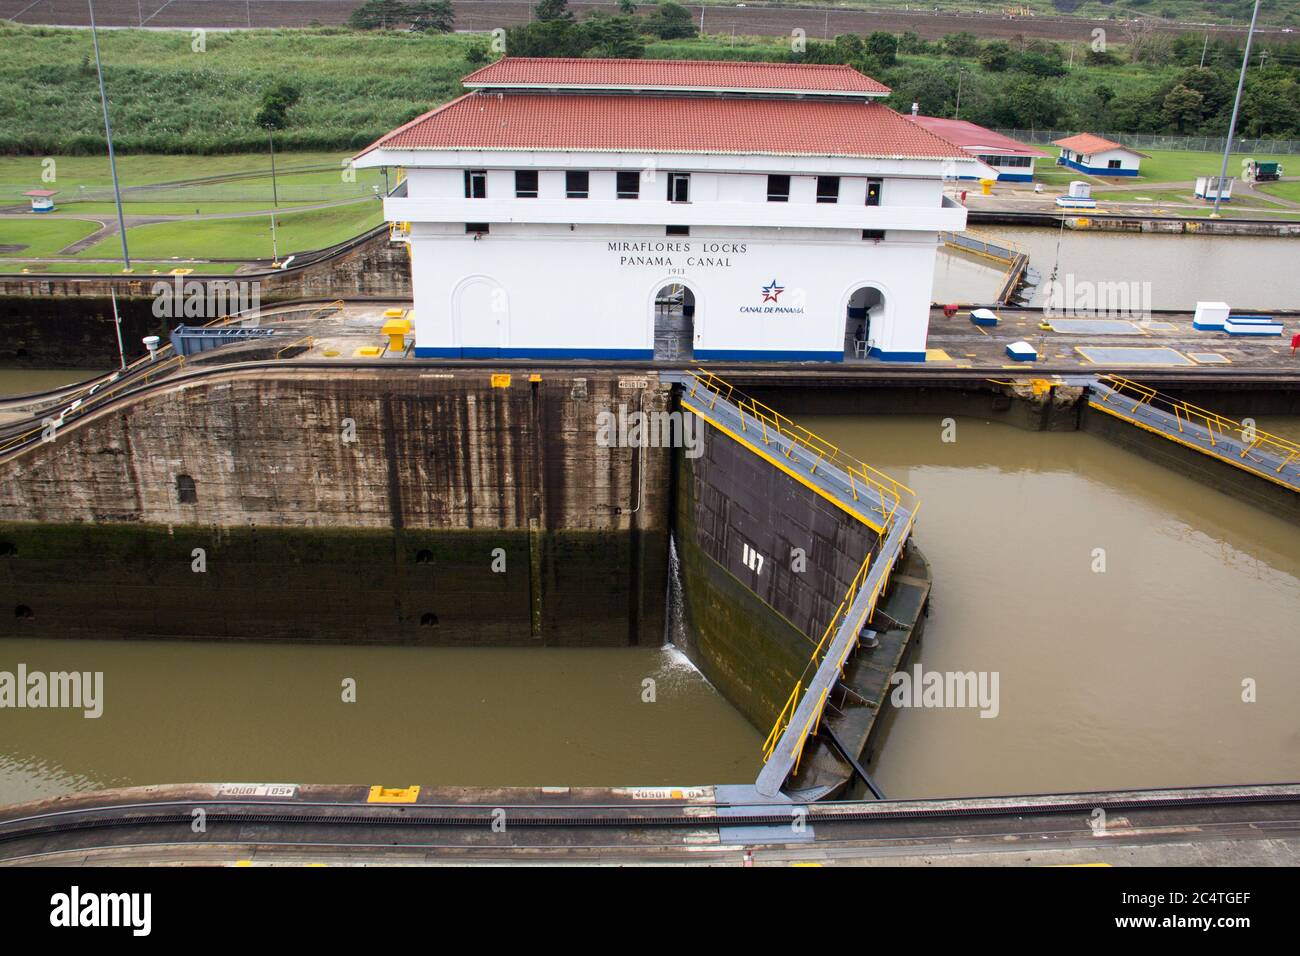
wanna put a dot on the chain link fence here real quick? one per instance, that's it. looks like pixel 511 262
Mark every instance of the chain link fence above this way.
pixel 1204 144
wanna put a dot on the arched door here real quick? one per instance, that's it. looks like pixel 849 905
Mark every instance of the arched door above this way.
pixel 866 304
pixel 674 322
pixel 481 313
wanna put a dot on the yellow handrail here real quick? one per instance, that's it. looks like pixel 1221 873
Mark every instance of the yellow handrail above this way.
pixel 859 579
pixel 308 339
pixel 781 721
pixel 1186 412
pixel 890 491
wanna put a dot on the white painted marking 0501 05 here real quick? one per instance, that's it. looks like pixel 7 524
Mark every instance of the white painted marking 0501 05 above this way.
pixel 258 790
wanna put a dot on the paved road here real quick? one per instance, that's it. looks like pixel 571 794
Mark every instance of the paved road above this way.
pixel 752 19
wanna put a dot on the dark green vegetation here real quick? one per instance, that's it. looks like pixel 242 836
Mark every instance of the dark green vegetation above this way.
pixel 346 585
pixel 423 16
pixel 168 97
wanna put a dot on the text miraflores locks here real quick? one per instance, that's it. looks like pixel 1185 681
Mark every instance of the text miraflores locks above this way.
pixel 697 254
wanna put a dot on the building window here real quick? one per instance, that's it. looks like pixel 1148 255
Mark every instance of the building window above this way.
pixel 629 185
pixel 828 189
pixel 478 228
pixel 875 234
pixel 476 184
pixel 874 188
pixel 679 187
pixel 677 231
pixel 1113 164
pixel 186 493
pixel 778 188
pixel 526 184
pixel 576 184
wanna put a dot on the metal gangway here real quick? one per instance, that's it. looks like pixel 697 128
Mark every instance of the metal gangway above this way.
pixel 885 505
pixel 1239 444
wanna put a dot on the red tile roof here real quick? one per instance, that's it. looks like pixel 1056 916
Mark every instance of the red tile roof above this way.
pixel 559 73
pixel 974 138
pixel 1087 143
pixel 668 124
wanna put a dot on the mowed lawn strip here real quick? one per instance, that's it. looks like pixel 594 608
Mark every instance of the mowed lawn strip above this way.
pixel 42 236
pixel 247 237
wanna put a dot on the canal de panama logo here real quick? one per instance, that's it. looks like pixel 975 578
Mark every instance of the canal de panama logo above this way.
pixel 771 301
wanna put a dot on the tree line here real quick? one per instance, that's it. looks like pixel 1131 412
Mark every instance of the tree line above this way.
pixel 1150 83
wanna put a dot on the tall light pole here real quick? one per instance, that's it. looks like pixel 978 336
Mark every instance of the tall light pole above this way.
pixel 1236 106
pixel 275 200
pixel 108 134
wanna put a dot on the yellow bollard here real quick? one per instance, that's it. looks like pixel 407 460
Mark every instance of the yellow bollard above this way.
pixel 396 330
pixel 986 186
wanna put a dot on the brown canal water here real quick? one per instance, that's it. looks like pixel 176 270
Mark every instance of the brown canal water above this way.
pixel 1127 677
pixel 1130 677
pixel 26 381
pixel 1247 272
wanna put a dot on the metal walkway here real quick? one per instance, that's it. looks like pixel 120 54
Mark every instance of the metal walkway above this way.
pixel 1234 443
pixel 872 497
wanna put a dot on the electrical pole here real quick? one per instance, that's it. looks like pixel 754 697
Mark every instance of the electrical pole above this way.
pixel 275 201
pixel 117 321
pixel 108 134
pixel 1236 107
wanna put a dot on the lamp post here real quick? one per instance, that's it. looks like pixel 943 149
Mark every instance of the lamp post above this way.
pixel 108 134
pixel 1236 107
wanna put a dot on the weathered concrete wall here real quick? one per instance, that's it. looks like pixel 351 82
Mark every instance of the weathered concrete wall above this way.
pixel 309 535
pixel 54 321
pixel 753 631
pixel 1056 411
pixel 1219 475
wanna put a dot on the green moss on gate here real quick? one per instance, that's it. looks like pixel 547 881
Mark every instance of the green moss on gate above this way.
pixel 751 654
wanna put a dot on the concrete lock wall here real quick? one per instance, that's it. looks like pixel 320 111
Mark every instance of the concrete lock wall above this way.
pixel 753 624
pixel 63 321
pixel 307 535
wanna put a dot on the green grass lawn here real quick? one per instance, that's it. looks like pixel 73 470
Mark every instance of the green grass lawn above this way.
pixel 1289 190
pixel 137 267
pixel 202 208
pixel 246 238
pixel 41 236
pixel 1162 166
pixel 1156 197
pixel 140 170
pixel 1167 165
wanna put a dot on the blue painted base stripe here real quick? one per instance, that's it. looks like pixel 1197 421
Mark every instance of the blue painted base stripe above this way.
pixel 1096 170
pixel 535 353
pixel 898 356
pixel 762 355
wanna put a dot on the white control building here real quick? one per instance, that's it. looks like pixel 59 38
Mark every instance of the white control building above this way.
pixel 630 209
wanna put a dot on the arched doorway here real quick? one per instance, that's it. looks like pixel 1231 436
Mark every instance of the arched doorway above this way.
pixel 481 315
pixel 674 315
pixel 866 306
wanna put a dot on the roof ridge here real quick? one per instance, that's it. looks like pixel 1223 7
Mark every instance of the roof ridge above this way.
pixel 626 59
